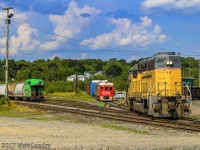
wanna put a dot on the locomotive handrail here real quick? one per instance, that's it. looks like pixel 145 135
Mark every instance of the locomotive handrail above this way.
pixel 150 91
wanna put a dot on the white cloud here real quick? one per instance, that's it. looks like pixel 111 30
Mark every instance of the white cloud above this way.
pixel 23 40
pixel 146 21
pixel 126 33
pixel 54 56
pixel 84 56
pixel 171 4
pixel 133 58
pixel 70 24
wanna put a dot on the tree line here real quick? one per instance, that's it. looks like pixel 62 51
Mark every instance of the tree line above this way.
pixel 55 72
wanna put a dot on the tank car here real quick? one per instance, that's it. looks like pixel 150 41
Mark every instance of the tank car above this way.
pixel 104 91
pixel 155 87
pixel 30 90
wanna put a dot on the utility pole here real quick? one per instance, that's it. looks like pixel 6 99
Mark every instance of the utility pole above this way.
pixel 76 84
pixel 8 16
pixel 189 68
pixel 199 70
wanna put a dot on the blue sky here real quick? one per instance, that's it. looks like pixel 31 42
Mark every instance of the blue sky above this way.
pixel 81 29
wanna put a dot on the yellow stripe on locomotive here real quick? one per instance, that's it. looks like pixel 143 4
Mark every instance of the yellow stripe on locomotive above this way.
pixel 155 86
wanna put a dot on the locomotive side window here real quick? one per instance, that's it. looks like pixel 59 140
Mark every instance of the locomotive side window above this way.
pixel 143 66
pixel 151 65
pixel 135 72
pixel 106 88
pixel 101 87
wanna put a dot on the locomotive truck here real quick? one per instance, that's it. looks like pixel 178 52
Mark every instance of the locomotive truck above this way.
pixel 155 87
pixel 30 90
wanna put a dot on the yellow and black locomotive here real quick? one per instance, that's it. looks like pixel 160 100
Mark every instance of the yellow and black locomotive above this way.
pixel 155 87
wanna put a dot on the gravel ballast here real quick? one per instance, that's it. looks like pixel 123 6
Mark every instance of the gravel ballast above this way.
pixel 73 135
pixel 79 132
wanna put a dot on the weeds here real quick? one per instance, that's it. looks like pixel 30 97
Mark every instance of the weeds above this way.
pixel 122 128
pixel 83 96
pixel 5 103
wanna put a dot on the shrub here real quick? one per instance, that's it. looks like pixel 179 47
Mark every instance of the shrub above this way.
pixel 5 103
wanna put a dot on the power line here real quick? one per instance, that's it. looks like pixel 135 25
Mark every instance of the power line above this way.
pixel 89 43
pixel 79 41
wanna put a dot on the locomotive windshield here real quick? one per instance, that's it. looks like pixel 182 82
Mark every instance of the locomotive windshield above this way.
pixel 168 61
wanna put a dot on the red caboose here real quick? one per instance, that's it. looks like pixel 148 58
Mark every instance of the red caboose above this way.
pixel 104 91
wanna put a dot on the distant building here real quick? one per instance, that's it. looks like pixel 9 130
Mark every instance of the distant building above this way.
pixel 98 73
pixel 87 74
pixel 80 78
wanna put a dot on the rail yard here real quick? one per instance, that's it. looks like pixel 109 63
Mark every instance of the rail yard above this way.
pixel 100 75
pixel 158 101
pixel 91 110
pixel 88 126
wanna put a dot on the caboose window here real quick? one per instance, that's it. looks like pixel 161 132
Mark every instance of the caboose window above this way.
pixel 106 88
pixel 101 87
pixel 111 88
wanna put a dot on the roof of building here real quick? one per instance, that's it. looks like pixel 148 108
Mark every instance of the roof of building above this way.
pixel 79 76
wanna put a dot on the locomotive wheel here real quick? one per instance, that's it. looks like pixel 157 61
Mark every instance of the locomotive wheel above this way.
pixel 130 105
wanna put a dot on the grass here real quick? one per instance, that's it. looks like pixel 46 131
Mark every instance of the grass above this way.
pixel 81 96
pixel 49 118
pixel 122 128
pixel 194 117
pixel 18 111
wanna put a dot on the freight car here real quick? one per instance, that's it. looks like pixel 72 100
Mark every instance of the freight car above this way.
pixel 30 90
pixel 101 90
pixel 155 87
pixel 195 93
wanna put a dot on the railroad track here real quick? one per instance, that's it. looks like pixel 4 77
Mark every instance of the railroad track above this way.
pixel 184 125
pixel 107 107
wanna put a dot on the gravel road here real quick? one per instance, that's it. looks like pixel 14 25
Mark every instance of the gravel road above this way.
pixel 85 133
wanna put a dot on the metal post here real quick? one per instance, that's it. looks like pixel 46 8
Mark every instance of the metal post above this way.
pixel 189 68
pixel 199 70
pixel 76 84
pixel 8 16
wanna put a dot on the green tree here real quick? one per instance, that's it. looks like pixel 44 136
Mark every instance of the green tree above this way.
pixel 114 70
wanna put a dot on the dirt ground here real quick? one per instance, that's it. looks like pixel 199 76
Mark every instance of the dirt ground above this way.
pixel 195 108
pixel 86 133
